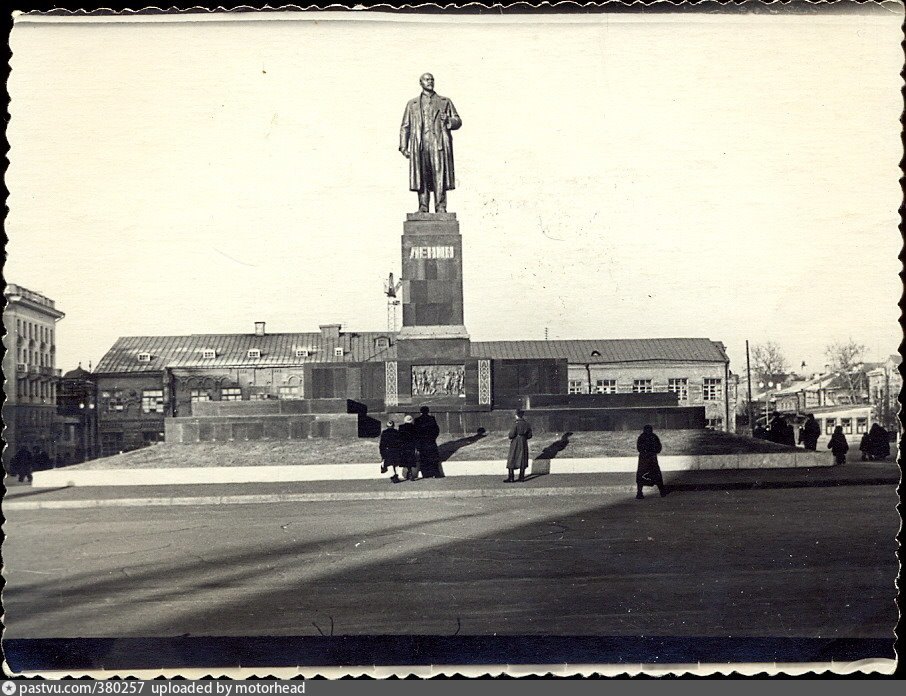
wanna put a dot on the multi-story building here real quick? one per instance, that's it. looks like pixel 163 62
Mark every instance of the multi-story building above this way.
pixel 144 379
pixel 29 365
pixel 77 416
pixel 884 386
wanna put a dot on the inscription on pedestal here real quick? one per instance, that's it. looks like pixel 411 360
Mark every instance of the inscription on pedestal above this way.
pixel 432 252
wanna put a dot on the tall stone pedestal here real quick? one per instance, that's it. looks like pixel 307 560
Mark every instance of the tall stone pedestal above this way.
pixel 433 324
pixel 433 364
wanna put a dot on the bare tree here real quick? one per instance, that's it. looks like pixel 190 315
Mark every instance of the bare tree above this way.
pixel 768 360
pixel 846 359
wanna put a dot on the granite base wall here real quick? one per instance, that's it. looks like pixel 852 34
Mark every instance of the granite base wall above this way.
pixel 191 430
pixel 552 420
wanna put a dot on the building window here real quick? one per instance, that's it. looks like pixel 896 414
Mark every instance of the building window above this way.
pixel 208 353
pixel 115 403
pixel 606 386
pixel 254 353
pixel 861 425
pixel 714 423
pixel 679 386
pixel 829 425
pixel 642 386
pixel 302 352
pixel 338 352
pixel 711 389
pixel 153 401
pixel 290 392
pixel 199 395
pixel 576 386
pixel 231 394
pixel 847 424
pixel 144 357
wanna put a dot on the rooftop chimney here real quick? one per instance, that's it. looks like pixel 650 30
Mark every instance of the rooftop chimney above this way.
pixel 259 328
pixel 330 331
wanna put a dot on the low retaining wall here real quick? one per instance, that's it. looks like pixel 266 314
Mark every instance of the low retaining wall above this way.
pixel 555 419
pixel 270 407
pixel 58 478
pixel 191 430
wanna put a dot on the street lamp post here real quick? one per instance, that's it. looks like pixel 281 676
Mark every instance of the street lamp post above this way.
pixel 767 400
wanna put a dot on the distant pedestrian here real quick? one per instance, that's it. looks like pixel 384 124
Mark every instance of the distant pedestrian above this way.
pixel 649 471
pixel 789 434
pixel 838 445
pixel 40 460
pixel 428 430
pixel 777 431
pixel 519 435
pixel 865 447
pixel 390 446
pixel 879 442
pixel 22 464
pixel 809 433
pixel 408 442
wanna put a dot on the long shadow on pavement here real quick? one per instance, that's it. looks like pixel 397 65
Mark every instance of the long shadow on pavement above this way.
pixel 688 578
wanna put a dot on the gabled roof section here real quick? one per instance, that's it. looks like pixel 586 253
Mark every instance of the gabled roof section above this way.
pixel 625 350
pixel 231 350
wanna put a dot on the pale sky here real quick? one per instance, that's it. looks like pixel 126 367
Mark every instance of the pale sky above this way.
pixel 618 176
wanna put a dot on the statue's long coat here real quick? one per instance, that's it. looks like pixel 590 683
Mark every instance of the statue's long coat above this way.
pixel 438 144
pixel 519 435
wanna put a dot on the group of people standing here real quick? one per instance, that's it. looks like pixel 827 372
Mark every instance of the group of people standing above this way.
pixel 25 462
pixel 412 452
pixel 411 449
pixel 875 444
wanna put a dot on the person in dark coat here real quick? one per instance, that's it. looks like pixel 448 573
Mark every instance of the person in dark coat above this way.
pixel 838 445
pixel 777 431
pixel 519 435
pixel 22 464
pixel 389 447
pixel 428 455
pixel 408 442
pixel 865 447
pixel 879 442
pixel 40 460
pixel 810 432
pixel 789 434
pixel 649 471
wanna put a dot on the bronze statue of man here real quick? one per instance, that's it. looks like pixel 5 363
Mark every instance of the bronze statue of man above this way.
pixel 426 141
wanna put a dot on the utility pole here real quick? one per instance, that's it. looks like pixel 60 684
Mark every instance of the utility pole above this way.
pixel 749 375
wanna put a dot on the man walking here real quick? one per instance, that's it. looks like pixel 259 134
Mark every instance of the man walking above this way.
pixel 519 435
pixel 649 471
pixel 390 448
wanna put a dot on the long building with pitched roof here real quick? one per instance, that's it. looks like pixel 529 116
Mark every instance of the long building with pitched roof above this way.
pixel 142 380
